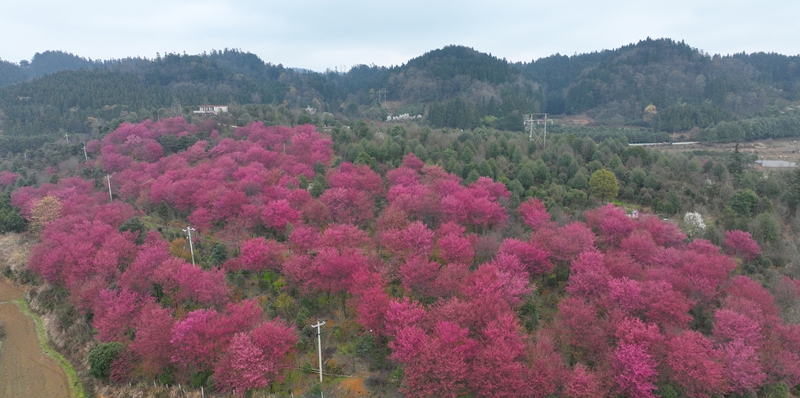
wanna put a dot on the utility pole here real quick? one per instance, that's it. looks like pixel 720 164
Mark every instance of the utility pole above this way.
pixel 108 178
pixel 189 230
pixel 319 345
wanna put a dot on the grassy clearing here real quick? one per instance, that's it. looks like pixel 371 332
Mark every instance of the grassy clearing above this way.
pixel 75 386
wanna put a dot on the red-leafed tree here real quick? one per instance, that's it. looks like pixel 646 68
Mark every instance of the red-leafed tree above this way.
pixel 626 295
pixel 663 233
pixel 303 238
pixel 452 246
pixel 436 365
pixel 534 214
pixel 138 276
pixel 7 178
pixel 330 270
pixel 412 162
pixel 565 243
pixel 359 177
pixel 278 213
pixel 370 300
pixel 153 334
pixel 344 236
pixel 114 313
pixel 695 365
pixel 634 370
pixel 535 259
pixel 254 360
pixel 403 313
pixel 277 340
pixel 589 277
pixel 419 274
pixel 258 254
pixel 348 205
pixel 611 223
pixel 489 280
pixel 730 326
pixel 579 326
pixel 185 282
pixel 632 330
pixel 546 371
pixel 746 288
pixel 641 246
pixel 197 342
pixel 584 383
pixel 497 369
pixel 740 243
pixel 414 239
pixel 742 367
pixel 665 306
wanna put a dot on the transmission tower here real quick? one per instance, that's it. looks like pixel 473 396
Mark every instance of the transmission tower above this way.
pixel 381 94
pixel 537 128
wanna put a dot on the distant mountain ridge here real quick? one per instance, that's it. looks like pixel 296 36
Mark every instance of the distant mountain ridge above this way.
pixel 454 86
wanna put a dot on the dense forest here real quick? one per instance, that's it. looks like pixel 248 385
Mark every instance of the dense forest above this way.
pixel 450 256
pixel 57 93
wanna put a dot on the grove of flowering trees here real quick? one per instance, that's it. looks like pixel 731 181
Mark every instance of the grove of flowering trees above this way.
pixel 423 261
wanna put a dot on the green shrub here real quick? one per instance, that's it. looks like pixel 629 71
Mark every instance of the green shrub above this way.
pixel 101 358
pixel 777 390
pixel 200 379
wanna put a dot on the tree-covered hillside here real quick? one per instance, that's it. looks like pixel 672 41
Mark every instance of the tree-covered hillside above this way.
pixel 454 86
pixel 445 263
pixel 450 255
pixel 690 88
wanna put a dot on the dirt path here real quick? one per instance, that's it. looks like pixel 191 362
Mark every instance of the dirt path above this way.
pixel 25 371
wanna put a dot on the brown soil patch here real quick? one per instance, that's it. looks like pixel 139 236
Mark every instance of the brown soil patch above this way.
pixel 353 388
pixel 25 371
pixel 575 120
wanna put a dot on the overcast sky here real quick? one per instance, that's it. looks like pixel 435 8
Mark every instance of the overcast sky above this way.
pixel 321 35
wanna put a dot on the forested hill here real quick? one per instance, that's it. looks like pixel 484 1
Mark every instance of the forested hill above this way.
pixel 688 87
pixel 57 93
pixel 42 64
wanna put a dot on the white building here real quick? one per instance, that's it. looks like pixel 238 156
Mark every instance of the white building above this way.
pixel 211 109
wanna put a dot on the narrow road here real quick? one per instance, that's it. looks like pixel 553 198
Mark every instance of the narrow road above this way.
pixel 25 371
